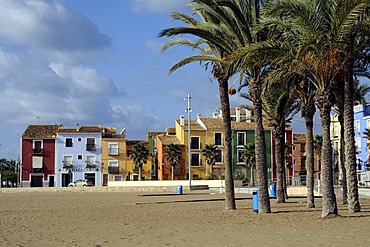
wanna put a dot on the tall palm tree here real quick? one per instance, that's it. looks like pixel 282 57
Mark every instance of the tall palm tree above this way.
pixel 210 153
pixel 280 106
pixel 249 158
pixel 225 27
pixel 139 155
pixel 173 154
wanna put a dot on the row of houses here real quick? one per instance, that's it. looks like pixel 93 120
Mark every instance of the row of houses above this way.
pixel 54 156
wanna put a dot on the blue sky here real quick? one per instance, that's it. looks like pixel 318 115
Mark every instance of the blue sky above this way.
pixel 96 61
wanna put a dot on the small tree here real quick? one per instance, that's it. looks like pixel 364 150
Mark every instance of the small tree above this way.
pixel 249 158
pixel 210 153
pixel 139 155
pixel 173 155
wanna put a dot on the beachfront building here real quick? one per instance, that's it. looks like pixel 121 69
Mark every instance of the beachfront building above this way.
pixel 78 155
pixel 113 156
pixel 242 134
pixel 164 170
pixel 38 156
pixel 361 123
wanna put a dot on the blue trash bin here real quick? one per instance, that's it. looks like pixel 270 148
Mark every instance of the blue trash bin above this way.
pixel 273 190
pixel 179 190
pixel 255 200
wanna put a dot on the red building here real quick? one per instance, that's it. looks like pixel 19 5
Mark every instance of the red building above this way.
pixel 38 156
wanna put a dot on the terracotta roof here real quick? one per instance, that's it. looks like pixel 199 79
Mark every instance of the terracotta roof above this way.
pixel 81 129
pixel 193 125
pixel 40 131
pixel 169 139
pixel 155 133
pixel 299 138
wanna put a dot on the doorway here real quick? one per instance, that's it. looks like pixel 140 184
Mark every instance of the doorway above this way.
pixel 66 179
pixel 91 177
pixel 51 181
pixel 36 180
pixel 105 179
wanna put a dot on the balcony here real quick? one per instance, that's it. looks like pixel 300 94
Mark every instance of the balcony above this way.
pixel 113 151
pixel 90 165
pixel 67 164
pixel 113 169
pixel 90 147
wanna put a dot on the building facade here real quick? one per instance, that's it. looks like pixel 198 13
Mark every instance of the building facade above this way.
pixel 38 156
pixel 78 155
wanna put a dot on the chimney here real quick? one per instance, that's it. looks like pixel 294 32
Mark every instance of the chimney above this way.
pixel 182 120
pixel 198 116
pixel 237 111
pixel 78 127
pixel 99 125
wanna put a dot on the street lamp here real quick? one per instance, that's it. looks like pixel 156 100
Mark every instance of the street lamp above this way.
pixel 188 110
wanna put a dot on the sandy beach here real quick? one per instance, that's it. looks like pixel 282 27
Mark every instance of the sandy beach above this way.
pixel 192 219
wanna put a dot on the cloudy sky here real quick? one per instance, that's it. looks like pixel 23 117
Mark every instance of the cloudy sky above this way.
pixel 95 61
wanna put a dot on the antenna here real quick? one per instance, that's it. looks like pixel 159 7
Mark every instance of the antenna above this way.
pixel 38 119
pixel 123 130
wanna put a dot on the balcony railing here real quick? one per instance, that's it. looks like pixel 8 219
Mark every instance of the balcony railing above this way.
pixel 113 169
pixel 90 165
pixel 67 164
pixel 90 147
pixel 112 151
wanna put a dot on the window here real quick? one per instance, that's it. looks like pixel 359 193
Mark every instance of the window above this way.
pixel 90 161
pixel 368 124
pixel 195 142
pixel 37 146
pixel 241 139
pixel 69 142
pixel 90 145
pixel 112 148
pixel 335 130
pixel 79 139
pixel 79 157
pixel 358 144
pixel 113 166
pixel 240 156
pixel 218 139
pixel 219 156
pixel 118 178
pixel 195 159
pixel 67 161
pixel 37 162
pixel 357 126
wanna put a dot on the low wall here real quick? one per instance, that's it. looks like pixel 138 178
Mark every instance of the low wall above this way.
pixel 167 183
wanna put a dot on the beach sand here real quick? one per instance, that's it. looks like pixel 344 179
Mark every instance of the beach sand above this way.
pixel 192 219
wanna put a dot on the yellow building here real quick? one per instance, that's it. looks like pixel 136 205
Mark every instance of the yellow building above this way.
pixel 115 152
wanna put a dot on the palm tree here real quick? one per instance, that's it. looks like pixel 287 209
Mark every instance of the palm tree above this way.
pixel 249 158
pixel 210 154
pixel 225 26
pixel 280 106
pixel 139 155
pixel 173 155
pixel 319 31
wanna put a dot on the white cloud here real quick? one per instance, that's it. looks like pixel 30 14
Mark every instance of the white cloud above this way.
pixel 42 25
pixel 157 6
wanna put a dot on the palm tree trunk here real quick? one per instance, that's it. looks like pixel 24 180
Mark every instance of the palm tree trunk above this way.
pixel 310 162
pixel 172 172
pixel 261 161
pixel 342 160
pixel 140 172
pixel 252 177
pixel 279 151
pixel 329 205
pixel 350 149
pixel 226 124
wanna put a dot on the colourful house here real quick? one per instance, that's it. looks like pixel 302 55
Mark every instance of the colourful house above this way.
pixel 38 156
pixel 78 155
pixel 113 156
pixel 132 170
